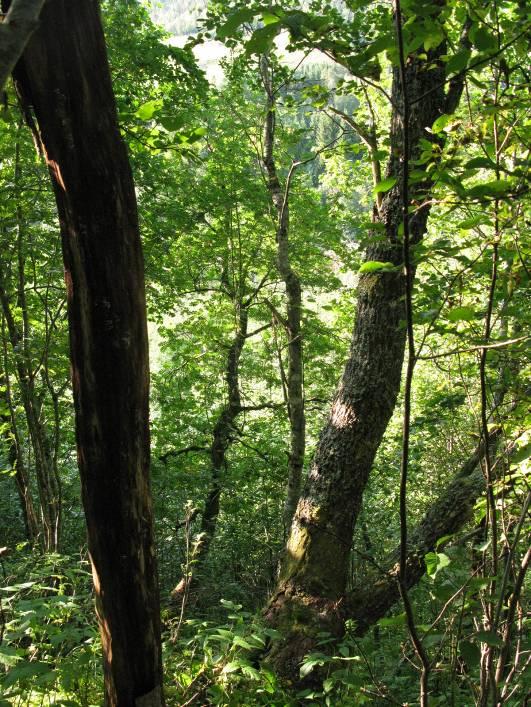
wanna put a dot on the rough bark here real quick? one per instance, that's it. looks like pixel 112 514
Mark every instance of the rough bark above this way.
pixel 17 27
pixel 292 283
pixel 313 575
pixel 221 440
pixel 64 79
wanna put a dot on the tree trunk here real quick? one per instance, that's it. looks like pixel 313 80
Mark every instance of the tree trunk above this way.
pixel 64 78
pixel 47 482
pixel 313 574
pixel 16 461
pixel 221 440
pixel 295 377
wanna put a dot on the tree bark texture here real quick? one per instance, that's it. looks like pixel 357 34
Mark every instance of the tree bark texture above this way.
pixel 64 79
pixel 15 30
pixel 292 283
pixel 313 574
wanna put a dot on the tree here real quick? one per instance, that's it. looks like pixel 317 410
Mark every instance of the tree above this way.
pixel 66 85
pixel 16 29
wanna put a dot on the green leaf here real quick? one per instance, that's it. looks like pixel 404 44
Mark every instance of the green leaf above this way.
pixel 234 21
pixel 268 18
pixel 262 39
pixel 23 671
pixel 480 162
pixel 9 656
pixel 390 621
pixel 384 185
pixel 472 221
pixel 239 641
pixel 491 638
pixel 441 122
pixel 495 188
pixel 376 266
pixel 522 454
pixel 461 314
pixel 435 562
pixel 483 40
pixel 458 61
pixel 470 653
pixel 147 110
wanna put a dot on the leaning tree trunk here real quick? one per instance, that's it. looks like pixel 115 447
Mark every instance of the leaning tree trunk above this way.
pixel 64 79
pixel 313 574
pixel 378 591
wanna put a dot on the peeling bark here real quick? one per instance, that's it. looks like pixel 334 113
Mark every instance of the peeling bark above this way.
pixel 64 79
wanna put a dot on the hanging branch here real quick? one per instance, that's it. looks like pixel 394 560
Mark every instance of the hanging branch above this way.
pixel 411 361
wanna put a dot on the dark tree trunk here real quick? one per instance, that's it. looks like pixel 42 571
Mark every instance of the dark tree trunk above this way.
pixel 64 79
pixel 313 575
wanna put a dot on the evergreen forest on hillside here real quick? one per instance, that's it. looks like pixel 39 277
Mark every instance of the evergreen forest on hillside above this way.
pixel 264 361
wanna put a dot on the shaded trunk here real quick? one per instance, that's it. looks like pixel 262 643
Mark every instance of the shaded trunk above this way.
pixel 377 592
pixel 313 575
pixel 221 440
pixel 64 79
pixel 295 375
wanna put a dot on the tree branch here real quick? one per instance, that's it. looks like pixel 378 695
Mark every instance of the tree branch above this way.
pixel 17 27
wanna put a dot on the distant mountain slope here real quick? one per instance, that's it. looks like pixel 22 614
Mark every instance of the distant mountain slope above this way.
pixel 179 17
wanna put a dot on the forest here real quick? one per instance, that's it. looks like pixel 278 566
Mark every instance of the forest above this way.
pixel 264 353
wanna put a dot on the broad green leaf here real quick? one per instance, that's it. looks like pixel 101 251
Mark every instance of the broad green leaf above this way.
pixel 491 638
pixel 522 454
pixel 384 185
pixel 376 266
pixel 472 221
pixel 390 621
pixel 461 314
pixel 239 641
pixel 441 122
pixel 147 110
pixel 480 162
pixel 435 562
pixel 483 40
pixel 470 653
pixel 458 61
pixel 234 21
pixel 495 188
